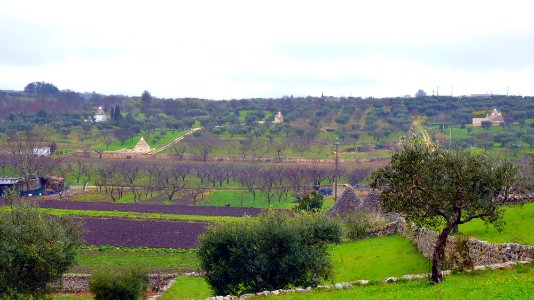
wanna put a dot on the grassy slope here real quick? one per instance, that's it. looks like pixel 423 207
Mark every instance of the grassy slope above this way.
pixel 132 141
pixel 188 288
pixel 518 228
pixel 374 258
pixel 377 258
pixel 499 284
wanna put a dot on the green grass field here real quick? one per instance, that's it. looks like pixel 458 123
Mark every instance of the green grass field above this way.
pixel 188 288
pixel 154 260
pixel 243 198
pixel 130 215
pixel 94 196
pixel 519 221
pixel 517 283
pixel 377 258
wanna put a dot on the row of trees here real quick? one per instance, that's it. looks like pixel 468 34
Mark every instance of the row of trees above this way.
pixel 193 179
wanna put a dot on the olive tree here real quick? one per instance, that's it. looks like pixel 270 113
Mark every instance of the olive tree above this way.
pixel 35 249
pixel 272 251
pixel 442 189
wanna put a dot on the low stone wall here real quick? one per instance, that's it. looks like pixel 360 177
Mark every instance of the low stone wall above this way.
pixel 75 283
pixel 480 252
pixel 227 158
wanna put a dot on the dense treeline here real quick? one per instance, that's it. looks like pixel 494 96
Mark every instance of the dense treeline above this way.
pixel 349 118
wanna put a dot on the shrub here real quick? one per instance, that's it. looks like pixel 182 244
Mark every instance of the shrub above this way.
pixel 310 202
pixel 110 282
pixel 270 252
pixel 35 249
pixel 357 225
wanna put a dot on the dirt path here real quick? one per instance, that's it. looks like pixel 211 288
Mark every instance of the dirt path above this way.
pixel 418 123
pixel 176 140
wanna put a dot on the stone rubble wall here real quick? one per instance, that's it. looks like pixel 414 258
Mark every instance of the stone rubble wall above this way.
pixel 361 282
pixel 135 155
pixel 75 283
pixel 480 252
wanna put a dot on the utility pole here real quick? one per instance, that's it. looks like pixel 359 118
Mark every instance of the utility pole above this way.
pixel 450 137
pixel 337 163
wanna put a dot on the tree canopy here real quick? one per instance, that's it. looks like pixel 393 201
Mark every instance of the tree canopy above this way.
pixel 270 252
pixel 444 188
pixel 41 88
pixel 35 249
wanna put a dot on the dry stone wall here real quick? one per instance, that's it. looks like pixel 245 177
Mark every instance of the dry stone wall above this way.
pixel 131 154
pixel 480 252
pixel 76 283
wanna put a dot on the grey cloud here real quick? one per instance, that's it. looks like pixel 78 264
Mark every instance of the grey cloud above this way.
pixel 26 44
pixel 286 82
pixel 508 52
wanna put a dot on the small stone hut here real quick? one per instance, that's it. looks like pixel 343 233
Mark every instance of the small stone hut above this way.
pixel 371 203
pixel 347 203
pixel 141 146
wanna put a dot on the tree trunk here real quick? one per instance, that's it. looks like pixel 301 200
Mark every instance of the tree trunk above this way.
pixel 439 253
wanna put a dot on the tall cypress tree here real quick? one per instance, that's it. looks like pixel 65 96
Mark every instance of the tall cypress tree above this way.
pixel 117 115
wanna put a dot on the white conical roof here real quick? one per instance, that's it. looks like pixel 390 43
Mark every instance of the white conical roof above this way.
pixel 100 111
pixel 141 146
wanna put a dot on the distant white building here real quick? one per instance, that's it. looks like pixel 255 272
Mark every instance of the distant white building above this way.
pixel 495 118
pixel 278 118
pixel 100 115
pixel 42 151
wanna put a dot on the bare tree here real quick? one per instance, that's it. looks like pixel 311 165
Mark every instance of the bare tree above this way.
pixel 358 175
pixel 267 182
pixel 130 172
pixel 27 157
pixel 204 146
pixel 179 150
pixel 248 178
pixel 103 178
pixel 251 146
pixel 296 178
pixel 169 180
pixel 116 183
pixel 279 147
pixel 81 171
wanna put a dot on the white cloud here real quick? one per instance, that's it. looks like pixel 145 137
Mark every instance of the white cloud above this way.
pixel 233 49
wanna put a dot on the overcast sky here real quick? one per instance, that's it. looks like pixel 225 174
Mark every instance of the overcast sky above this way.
pixel 240 49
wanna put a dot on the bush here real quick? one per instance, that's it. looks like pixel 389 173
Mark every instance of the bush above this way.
pixel 110 282
pixel 310 202
pixel 272 251
pixel 357 225
pixel 35 249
